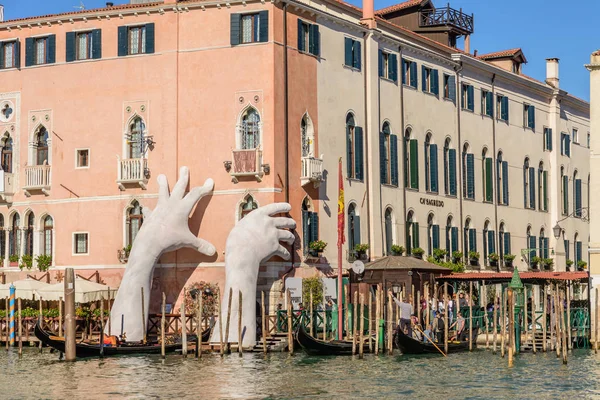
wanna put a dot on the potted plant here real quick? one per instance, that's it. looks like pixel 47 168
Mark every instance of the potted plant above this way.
pixel 439 254
pixel 493 258
pixel 26 262
pixel 569 264
pixel 418 252
pixel 457 256
pixel 14 260
pixel 547 263
pixel 474 258
pixel 317 247
pixel 581 265
pixel 361 250
pixel 535 262
pixel 123 254
pixel 44 262
pixel 508 260
pixel 397 250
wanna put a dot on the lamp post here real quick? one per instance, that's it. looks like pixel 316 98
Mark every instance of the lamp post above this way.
pixel 517 286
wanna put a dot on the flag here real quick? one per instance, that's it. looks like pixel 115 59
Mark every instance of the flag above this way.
pixel 341 219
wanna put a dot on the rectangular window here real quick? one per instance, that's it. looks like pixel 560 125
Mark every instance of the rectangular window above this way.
pixel 588 140
pixel 502 107
pixel 565 144
pixel 565 195
pixel 352 53
pixel 134 40
pixel 40 50
pixel 9 55
pixel 466 99
pixel 80 243
pixel 547 139
pixel 409 73
pixel 137 40
pixel 84 46
pixel 575 136
pixel 529 116
pixel 308 38
pixel 487 106
pixel 388 66
pixel 450 87
pixel 429 80
pixel 543 190
pixel 83 158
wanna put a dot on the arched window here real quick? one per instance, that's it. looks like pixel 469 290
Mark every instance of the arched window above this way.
pixel 577 195
pixel 29 234
pixel 449 169
pixel 528 185
pixel 389 230
pixel 14 236
pixel 543 245
pixel 411 161
pixel 385 145
pixel 469 238
pixel 354 148
pixel 310 225
pixel 502 179
pixel 247 206
pixel 137 132
pixel 564 191
pixel 468 161
pixel 41 144
pixel 307 137
pixel 578 250
pixel 353 227
pixel 2 238
pixel 543 188
pixel 47 235
pixel 412 232
pixel 489 242
pixel 250 127
pixel 135 219
pixel 433 234
pixel 501 241
pixel 7 154
pixel 451 237
pixel 487 165
pixel 532 246
pixel 431 165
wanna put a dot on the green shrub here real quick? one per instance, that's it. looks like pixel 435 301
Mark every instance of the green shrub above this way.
pixel 26 261
pixel 317 245
pixel 418 252
pixel 314 284
pixel 439 254
pixel 43 262
pixel 397 250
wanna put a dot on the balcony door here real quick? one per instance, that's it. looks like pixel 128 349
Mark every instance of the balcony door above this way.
pixel 307 136
pixel 41 144
pixel 6 159
pixel 135 142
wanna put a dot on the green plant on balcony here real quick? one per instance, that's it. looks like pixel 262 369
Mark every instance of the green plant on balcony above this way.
pixel 457 256
pixel 361 248
pixel 535 262
pixel 439 254
pixel 26 262
pixel 397 250
pixel 418 252
pixel 581 264
pixel 569 263
pixel 13 258
pixel 474 258
pixel 547 263
pixel 317 246
pixel 508 259
pixel 44 262
pixel 493 258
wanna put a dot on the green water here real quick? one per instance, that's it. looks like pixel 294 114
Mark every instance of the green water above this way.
pixel 469 375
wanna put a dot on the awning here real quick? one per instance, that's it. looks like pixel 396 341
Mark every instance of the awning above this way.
pixel 85 291
pixel 525 276
pixel 404 263
pixel 24 289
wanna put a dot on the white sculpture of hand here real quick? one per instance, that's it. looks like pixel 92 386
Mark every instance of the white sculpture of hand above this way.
pixel 253 240
pixel 164 229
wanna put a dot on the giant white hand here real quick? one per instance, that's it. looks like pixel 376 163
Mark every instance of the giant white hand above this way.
pixel 164 229
pixel 254 239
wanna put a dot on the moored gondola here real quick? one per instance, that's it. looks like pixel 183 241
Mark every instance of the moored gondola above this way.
pixel 408 345
pixel 93 350
pixel 320 347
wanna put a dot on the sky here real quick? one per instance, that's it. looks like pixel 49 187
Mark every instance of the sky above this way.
pixel 542 28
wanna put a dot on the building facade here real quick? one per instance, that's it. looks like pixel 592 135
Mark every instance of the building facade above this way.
pixel 594 246
pixel 439 148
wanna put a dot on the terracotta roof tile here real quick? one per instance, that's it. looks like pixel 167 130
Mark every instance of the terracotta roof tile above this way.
pixel 500 54
pixel 507 276
pixel 398 7
pixel 596 53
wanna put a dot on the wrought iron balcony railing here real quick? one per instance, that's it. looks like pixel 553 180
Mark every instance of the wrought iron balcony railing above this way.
pixel 446 16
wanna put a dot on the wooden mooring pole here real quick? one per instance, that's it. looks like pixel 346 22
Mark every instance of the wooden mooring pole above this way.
pixel 107 307
pixel 557 321
pixel 20 322
pixel 347 322
pixel 563 329
pixel 361 326
pixel 446 317
pixel 102 327
pixel 240 336
pixel 69 293
pixel 370 329
pixel 354 321
pixel 183 327
pixel 228 347
pixel 568 321
pixel 485 315
pixel 221 347
pixel 377 317
pixel 60 316
pixel 503 324
pixel 7 320
pixel 470 316
pixel 41 319
pixel 290 310
pixel 162 324
pixel 325 320
pixel 143 316
pixel 533 326
pixel 390 340
pixel 511 327
pixel 544 320
pixel 198 313
pixel 495 323
pixel 263 318
pixel 312 316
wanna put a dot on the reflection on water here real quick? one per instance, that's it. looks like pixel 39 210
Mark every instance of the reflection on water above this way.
pixel 474 375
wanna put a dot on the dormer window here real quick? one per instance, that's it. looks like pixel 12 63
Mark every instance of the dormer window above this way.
pixel 516 67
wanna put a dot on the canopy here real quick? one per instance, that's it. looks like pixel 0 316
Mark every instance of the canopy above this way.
pixel 85 291
pixel 24 289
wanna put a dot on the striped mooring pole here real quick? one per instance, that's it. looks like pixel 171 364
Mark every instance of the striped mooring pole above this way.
pixel 12 315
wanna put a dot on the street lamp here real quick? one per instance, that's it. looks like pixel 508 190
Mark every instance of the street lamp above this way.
pixel 557 231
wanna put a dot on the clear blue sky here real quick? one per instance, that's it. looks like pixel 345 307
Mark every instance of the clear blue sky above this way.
pixel 542 28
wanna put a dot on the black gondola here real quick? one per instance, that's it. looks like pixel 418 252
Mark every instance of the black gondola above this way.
pixel 93 350
pixel 409 345
pixel 320 347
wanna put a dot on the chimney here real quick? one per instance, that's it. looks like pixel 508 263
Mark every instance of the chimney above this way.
pixel 110 4
pixel 475 53
pixel 468 44
pixel 1 13
pixel 552 72
pixel 368 18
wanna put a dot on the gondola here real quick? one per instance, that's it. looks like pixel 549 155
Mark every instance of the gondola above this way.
pixel 93 350
pixel 320 347
pixel 409 345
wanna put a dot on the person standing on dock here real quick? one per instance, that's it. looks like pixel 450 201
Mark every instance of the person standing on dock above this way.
pixel 406 311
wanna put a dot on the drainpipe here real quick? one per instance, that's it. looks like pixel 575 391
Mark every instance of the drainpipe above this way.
pixel 495 172
pixel 285 109
pixel 403 144
pixel 460 163
pixel 381 212
pixel 366 130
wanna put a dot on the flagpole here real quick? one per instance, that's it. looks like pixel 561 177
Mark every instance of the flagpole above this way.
pixel 340 242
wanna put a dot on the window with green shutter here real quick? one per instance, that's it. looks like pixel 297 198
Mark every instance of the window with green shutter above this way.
pixel 388 66
pixel 544 193
pixel 10 54
pixel 452 172
pixel 308 38
pixel 433 168
pixel 40 50
pixel 358 153
pixel 435 237
pixel 383 157
pixel 449 87
pixel 532 188
pixel 248 28
pixel 470 176
pixel 352 53
pixel 467 97
pixel 502 107
pixel 577 194
pixel 472 239
pixel 414 164
pixel 454 235
pixel 529 116
pixel 565 194
pixel 505 197
pixel 547 139
pixel 409 73
pixel 429 80
pixel 489 186
pixel 139 39
pixel 394 159
pixel 506 243
pixel 487 103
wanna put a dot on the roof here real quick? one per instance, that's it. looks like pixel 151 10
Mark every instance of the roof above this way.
pixel 406 263
pixel 507 276
pixel 399 6
pixel 511 53
pixel 596 53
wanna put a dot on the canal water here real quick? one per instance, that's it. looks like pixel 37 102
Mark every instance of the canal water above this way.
pixel 280 376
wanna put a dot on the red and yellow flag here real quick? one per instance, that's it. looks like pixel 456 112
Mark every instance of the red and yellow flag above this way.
pixel 341 219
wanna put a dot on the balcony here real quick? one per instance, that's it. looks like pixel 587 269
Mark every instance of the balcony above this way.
pixel 312 171
pixel 38 178
pixel 447 17
pixel 246 163
pixel 132 172
pixel 7 187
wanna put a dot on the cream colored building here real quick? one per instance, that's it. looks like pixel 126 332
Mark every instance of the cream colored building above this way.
pixel 594 245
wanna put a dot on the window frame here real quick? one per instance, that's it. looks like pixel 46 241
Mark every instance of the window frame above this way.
pixel 464 97
pixel 13 44
pixel 89 46
pixel 484 97
pixel 141 40
pixel 526 108
pixel 407 75
pixel 575 135
pixel 74 243
pixel 427 79
pixel 36 41
pixel 500 106
pixel 7 153
pixel 77 158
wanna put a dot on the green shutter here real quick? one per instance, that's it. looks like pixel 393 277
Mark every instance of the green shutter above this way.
pixel 394 159
pixel 470 176
pixel 532 247
pixel 452 88
pixel 382 159
pixel 29 56
pixel 489 186
pixel 314 226
pixel 548 132
pixel 578 252
pixel 357 55
pixel 414 164
pixel 531 117
pixel 566 244
pixel 416 235
pixel 18 53
pixel 434 77
pixel 452 171
pixel 150 38
pixel 413 74
pixel 491 242
pixel 490 104
pixel 423 78
pixel 263 20
pixel 316 40
pixel 393 67
pixel 472 240
pixel 505 198
pixel 380 63
pixel 123 44
pixel 70 47
pixel 435 239
pixel 541 247
pixel 505 108
pixel 507 243
pixel 349 172
pixel 470 98
pixel 568 145
pixel 97 44
pixel 454 232
pixel 51 49
pixel 348 52
pixel 358 153
pixel 565 184
pixel 312 39
pixel 577 197
pixel 1 55
pixel 404 69
pixel 448 242
pixel 433 168
pixel 301 38
pixel 357 230
pixel 545 189
pixel 532 188
pixel 305 231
